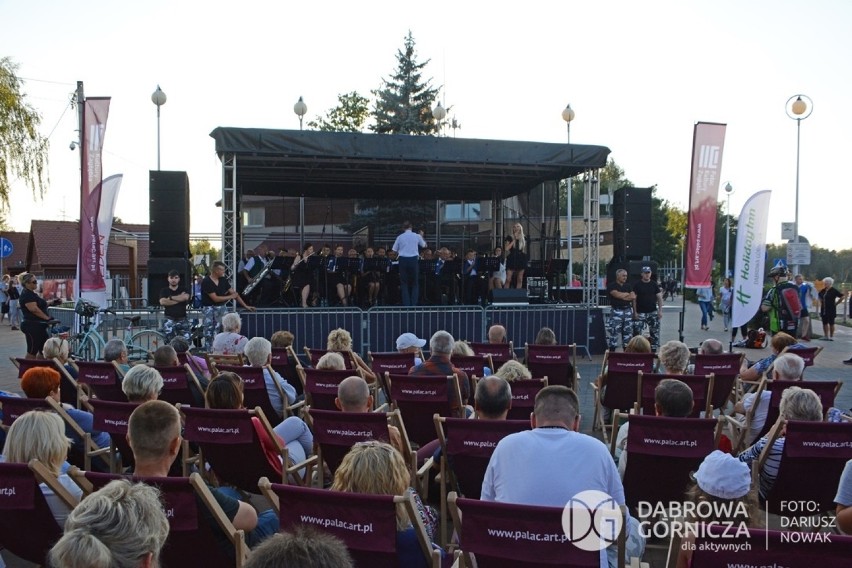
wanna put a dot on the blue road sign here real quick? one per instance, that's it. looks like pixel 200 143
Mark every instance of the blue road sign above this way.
pixel 6 248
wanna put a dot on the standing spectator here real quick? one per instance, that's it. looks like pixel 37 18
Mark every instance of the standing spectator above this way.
pixel 621 315
pixel 726 302
pixel 780 316
pixel 807 295
pixel 174 299
pixel 648 307
pixel 35 315
pixel 216 292
pixel 829 297
pixel 14 293
pixel 196 291
pixel 407 246
pixel 705 302
pixel 4 297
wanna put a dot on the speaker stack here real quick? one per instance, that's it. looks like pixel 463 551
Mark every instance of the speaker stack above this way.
pixel 168 246
pixel 632 223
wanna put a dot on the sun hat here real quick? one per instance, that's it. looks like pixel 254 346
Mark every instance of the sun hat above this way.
pixel 723 476
pixel 407 340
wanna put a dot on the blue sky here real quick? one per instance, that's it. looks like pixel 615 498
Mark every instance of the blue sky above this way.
pixel 638 75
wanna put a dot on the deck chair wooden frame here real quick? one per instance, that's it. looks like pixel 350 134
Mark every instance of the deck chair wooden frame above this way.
pixel 701 385
pixel 103 379
pixel 68 385
pixel 310 501
pixel 255 393
pixel 499 352
pixel 485 518
pixel 119 454
pixel 285 361
pixel 725 368
pixel 178 383
pixel 392 362
pixel 826 390
pixel 418 414
pixel 741 427
pixel 240 469
pixel 548 360
pixel 320 385
pixel 621 370
pixel 315 354
pixel 808 354
pixel 214 360
pixel 90 482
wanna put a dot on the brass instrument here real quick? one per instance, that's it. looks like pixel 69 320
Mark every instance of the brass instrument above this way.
pixel 260 275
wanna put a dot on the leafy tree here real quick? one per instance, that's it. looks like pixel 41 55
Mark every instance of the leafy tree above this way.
pixel 204 247
pixel 23 151
pixel 349 115
pixel 404 103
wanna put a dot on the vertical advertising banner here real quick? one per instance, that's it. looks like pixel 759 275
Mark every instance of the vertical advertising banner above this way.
pixel 707 145
pixel 95 114
pixel 750 258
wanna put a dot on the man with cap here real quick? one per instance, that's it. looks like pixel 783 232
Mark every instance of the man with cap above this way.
pixel 781 318
pixel 410 343
pixel 648 307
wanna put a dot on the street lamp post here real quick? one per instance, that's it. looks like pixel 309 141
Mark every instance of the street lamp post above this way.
pixel 301 109
pixel 439 113
pixel 568 116
pixel 158 98
pixel 798 107
pixel 728 190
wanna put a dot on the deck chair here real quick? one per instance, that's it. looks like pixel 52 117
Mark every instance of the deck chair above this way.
pixel 314 355
pixel 104 379
pixel 191 507
pixel 180 386
pixel 22 364
pixel 112 417
pixel 825 390
pixel 392 362
pixel 701 385
pixel 740 428
pixel 473 366
pixel 671 448
pixel 814 456
pixel 214 360
pixel 524 392
pixel 466 448
pixel 284 361
pixel 808 354
pixel 320 385
pixel 499 352
pixel 346 516
pixel 230 445
pixel 725 368
pixel 488 535
pixel 255 393
pixel 68 385
pixel 27 526
pixel 419 397
pixel 187 359
pixel 335 433
pixel 556 362
pixel 620 376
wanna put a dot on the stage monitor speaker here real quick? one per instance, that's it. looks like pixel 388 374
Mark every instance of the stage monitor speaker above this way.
pixel 510 296
pixel 169 214
pixel 632 223
pixel 158 272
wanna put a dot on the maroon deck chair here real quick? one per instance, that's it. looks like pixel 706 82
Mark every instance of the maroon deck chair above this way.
pixel 314 355
pixel 68 386
pixel 27 527
pixel 192 509
pixel 14 406
pixel 284 361
pixel 419 397
pixel 254 390
pixel 662 451
pixel 320 386
pixel 808 354
pixel 180 386
pixel 556 362
pixel 725 368
pixel 104 379
pixel 365 523
pixel 825 390
pixel 112 417
pixel 524 392
pixel 489 535
pixel 392 362
pixel 813 459
pixel 499 352
pixel 621 373
pixel 699 384
pixel 770 548
pixel 473 366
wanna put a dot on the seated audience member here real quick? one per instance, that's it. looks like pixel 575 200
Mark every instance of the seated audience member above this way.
pixel 340 340
pixel 796 404
pixel 711 347
pixel 513 370
pixel 258 351
pixel 153 433
pixel 462 348
pixel 637 344
pixel 303 547
pixel 142 383
pixel 225 391
pixel 282 339
pixel 410 343
pixel 555 434
pixel 331 361
pixel 166 356
pixel 181 345
pixel 41 382
pixel 672 398
pixel 58 348
pixel 116 350
pixel 787 367
pixel 674 357
pixel 230 342
pixel 376 468
pixel 545 336
pixel 41 435
pixel 780 341
pixel 441 348
pixel 843 500
pixel 122 525
pixel 497 334
pixel 721 478
pixel 353 395
pixel 493 398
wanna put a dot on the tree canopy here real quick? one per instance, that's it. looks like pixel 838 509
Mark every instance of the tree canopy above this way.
pixel 23 151
pixel 349 115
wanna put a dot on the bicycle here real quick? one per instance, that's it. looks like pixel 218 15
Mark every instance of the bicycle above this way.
pixel 89 344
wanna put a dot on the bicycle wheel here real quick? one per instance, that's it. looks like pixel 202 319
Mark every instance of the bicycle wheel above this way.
pixel 143 344
pixel 85 348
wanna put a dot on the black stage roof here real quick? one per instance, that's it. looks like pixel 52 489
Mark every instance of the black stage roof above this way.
pixel 310 163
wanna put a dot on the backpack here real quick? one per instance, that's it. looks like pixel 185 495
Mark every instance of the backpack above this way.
pixel 786 308
pixel 756 339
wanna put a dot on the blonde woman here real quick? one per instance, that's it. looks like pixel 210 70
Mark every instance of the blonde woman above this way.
pixel 58 348
pixel 41 435
pixel 516 260
pixel 513 371
pixel 340 340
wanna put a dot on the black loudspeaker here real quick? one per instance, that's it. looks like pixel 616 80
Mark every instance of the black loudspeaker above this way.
pixel 158 272
pixel 511 296
pixel 633 268
pixel 631 227
pixel 169 214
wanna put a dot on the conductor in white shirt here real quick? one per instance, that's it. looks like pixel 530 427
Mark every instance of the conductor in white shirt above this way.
pixel 407 246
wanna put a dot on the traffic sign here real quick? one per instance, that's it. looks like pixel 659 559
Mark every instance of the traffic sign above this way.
pixel 6 248
pixel 798 254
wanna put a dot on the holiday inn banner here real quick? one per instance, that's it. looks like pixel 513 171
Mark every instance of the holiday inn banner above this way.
pixel 750 258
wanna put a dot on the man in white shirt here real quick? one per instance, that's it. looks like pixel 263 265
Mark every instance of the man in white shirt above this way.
pixel 407 246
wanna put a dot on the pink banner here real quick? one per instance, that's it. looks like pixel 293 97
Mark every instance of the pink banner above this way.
pixel 707 145
pixel 95 115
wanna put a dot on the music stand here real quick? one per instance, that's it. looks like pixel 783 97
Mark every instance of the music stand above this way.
pixel 555 267
pixel 427 267
pixel 486 265
pixel 535 269
pixel 375 264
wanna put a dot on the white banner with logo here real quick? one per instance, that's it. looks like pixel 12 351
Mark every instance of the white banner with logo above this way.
pixel 750 258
